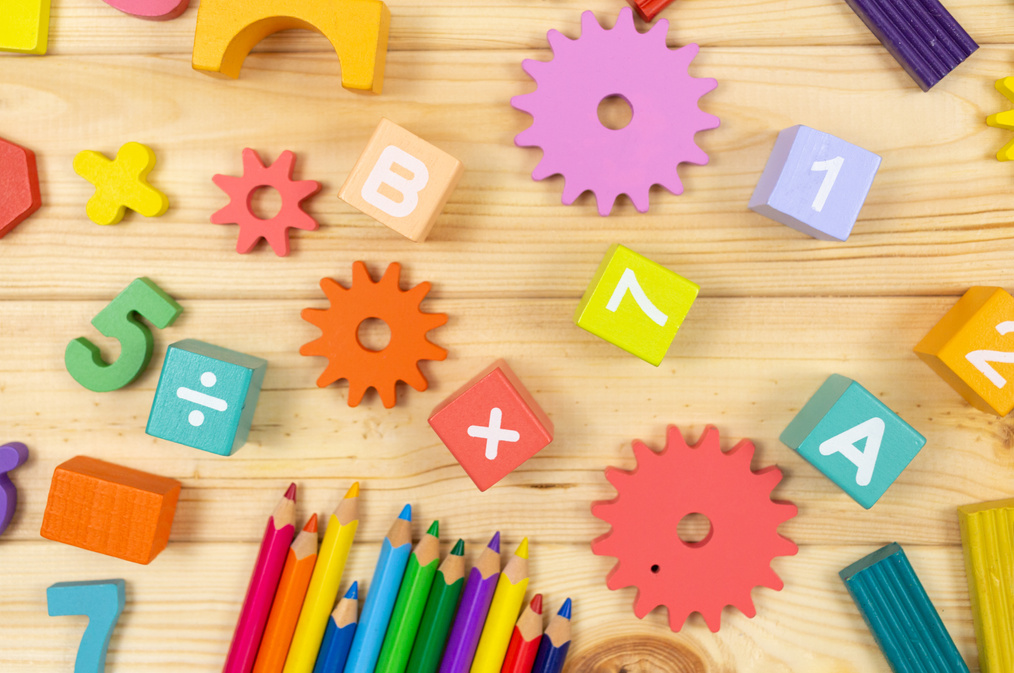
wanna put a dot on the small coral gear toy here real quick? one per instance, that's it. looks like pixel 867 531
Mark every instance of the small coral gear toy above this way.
pixel 362 367
pixel 703 576
pixel 654 81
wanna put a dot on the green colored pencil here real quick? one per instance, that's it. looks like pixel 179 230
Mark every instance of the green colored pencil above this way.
pixel 440 608
pixel 408 610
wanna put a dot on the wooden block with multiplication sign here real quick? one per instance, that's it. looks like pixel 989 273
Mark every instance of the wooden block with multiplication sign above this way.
pixel 815 183
pixel 645 322
pixel 972 348
pixel 853 438
pixel 110 509
pixel 401 181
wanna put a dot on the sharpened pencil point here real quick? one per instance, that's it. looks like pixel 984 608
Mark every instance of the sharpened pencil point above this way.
pixel 536 604
pixel 353 491
pixel 459 548
pixel 494 543
pixel 565 609
pixel 522 549
pixel 434 529
pixel 406 513
pixel 311 525
pixel 353 591
pixel 291 492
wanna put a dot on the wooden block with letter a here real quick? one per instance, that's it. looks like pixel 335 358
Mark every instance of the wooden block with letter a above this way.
pixel 110 509
pixel 972 348
pixel 401 181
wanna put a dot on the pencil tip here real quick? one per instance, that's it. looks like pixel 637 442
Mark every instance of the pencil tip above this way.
pixel 311 525
pixel 291 493
pixel 494 542
pixel 406 513
pixel 353 591
pixel 565 609
pixel 459 548
pixel 522 549
pixel 536 604
pixel 434 529
pixel 353 491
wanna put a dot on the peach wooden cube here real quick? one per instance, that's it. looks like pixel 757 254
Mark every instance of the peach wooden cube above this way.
pixel 972 348
pixel 401 181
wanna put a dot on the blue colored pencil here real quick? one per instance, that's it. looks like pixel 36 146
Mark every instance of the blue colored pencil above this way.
pixel 555 643
pixel 380 598
pixel 341 628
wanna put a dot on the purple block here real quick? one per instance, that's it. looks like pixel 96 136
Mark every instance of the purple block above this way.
pixel 12 455
pixel 921 35
pixel 815 183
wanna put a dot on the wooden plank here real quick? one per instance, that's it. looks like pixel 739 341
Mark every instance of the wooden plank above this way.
pixel 83 27
pixel 732 365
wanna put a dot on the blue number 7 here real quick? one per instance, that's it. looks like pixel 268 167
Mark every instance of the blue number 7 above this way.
pixel 102 602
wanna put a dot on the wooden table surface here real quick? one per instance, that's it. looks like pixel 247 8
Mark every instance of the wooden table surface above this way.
pixel 778 313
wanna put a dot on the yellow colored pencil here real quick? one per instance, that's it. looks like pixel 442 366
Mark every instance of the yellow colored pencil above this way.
pixel 503 613
pixel 323 591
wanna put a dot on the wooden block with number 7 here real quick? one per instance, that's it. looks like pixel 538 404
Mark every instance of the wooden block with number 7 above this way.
pixel 972 348
pixel 636 304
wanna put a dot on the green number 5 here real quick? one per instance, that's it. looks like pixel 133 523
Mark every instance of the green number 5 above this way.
pixel 119 320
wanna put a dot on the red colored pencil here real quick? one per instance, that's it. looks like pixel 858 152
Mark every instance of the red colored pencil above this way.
pixel 267 571
pixel 524 643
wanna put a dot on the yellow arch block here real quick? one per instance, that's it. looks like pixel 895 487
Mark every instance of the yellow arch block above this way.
pixel 228 29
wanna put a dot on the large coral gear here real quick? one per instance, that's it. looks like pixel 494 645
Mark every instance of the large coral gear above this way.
pixel 719 570
pixel 601 64
pixel 349 359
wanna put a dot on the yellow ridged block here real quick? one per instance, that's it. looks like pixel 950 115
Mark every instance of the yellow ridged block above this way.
pixel 1004 120
pixel 987 537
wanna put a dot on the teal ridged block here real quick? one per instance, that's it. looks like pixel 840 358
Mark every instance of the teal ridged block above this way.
pixel 900 615
pixel 853 438
pixel 206 397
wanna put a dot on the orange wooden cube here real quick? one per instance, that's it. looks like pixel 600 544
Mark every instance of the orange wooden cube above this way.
pixel 110 509
pixel 972 348
pixel 401 181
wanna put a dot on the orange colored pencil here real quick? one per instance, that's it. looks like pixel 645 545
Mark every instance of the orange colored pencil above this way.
pixel 524 643
pixel 288 600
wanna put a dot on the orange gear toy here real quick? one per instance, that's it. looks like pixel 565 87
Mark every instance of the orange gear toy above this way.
pixel 362 367
pixel 721 569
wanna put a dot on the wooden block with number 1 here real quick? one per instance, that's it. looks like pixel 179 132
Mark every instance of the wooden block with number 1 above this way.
pixel 401 181
pixel 636 304
pixel 972 348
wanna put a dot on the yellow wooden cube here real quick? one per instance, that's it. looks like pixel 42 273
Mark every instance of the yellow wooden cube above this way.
pixel 635 304
pixel 24 27
pixel 972 348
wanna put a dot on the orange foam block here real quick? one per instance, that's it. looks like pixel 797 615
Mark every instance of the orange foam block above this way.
pixel 110 509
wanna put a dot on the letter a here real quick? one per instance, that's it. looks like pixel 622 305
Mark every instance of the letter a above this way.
pixel 845 444
pixel 383 175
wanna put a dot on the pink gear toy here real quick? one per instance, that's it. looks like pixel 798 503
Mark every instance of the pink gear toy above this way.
pixel 654 81
pixel 721 569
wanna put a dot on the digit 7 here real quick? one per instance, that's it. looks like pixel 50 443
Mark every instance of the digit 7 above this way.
pixel 102 602
pixel 119 320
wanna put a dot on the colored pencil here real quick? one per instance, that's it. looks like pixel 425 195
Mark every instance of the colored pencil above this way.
pixel 408 610
pixel 524 643
pixel 267 571
pixel 440 608
pixel 387 576
pixel 327 576
pixel 288 600
pixel 555 643
pixel 507 602
pixel 341 628
pixel 471 615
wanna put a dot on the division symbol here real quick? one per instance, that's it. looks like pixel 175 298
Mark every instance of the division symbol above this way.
pixel 196 417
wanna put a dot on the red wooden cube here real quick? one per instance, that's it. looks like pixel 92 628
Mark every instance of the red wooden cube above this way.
pixel 492 424
pixel 648 9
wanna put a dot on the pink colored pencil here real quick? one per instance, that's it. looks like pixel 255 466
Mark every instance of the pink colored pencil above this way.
pixel 263 583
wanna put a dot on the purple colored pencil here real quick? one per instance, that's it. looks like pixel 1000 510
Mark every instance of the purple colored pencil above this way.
pixel 471 617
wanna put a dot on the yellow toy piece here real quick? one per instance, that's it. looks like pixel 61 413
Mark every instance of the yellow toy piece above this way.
pixel 24 27
pixel 228 29
pixel 1004 120
pixel 120 184
pixel 987 538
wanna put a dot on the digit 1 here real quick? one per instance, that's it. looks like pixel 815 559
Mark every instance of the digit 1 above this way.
pixel 11 456
pixel 119 320
pixel 628 281
pixel 832 168
pixel 102 602
pixel 981 359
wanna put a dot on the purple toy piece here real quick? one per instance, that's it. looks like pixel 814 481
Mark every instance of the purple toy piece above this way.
pixel 921 35
pixel 12 455
pixel 815 183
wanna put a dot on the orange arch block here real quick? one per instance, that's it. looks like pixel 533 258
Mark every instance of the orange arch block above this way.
pixel 228 29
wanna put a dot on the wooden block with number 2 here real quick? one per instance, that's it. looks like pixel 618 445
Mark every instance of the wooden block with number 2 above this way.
pixel 972 348
pixel 636 304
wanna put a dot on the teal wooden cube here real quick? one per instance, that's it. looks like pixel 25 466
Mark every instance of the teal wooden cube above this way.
pixel 853 438
pixel 206 397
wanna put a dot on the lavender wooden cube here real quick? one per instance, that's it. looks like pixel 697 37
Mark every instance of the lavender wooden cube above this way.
pixel 815 183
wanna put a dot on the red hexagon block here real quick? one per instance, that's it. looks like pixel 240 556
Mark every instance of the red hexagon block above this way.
pixel 19 185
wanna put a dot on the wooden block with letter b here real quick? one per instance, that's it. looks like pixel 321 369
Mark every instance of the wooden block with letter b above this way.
pixel 645 322
pixel 972 348
pixel 401 181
